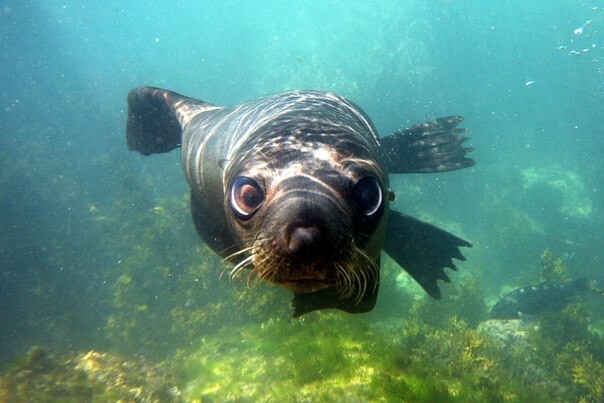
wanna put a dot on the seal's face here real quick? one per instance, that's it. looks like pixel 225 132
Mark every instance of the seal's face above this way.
pixel 308 220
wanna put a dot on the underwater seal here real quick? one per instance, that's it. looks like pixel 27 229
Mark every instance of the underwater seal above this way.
pixel 294 189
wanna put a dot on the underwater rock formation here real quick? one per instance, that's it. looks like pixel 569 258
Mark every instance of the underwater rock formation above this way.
pixel 574 197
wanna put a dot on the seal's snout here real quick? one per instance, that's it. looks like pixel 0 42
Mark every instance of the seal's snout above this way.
pixel 303 238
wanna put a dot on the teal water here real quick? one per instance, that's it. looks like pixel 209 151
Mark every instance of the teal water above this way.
pixel 97 249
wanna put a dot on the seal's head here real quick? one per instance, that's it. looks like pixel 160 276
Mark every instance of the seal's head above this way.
pixel 309 209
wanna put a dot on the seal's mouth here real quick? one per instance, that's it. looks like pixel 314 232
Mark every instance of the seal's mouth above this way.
pixel 303 286
pixel 298 274
pixel 351 272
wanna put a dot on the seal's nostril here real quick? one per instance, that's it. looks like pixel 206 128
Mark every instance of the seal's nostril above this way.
pixel 303 238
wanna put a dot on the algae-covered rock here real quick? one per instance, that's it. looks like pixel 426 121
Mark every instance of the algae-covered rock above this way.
pixel 87 377
pixel 575 199
pixel 508 333
pixel 323 357
pixel 338 357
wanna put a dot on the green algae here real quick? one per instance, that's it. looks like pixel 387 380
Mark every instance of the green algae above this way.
pixel 86 377
pixel 327 358
pixel 432 353
pixel 334 357
pixel 225 342
pixel 552 268
pixel 170 293
pixel 229 342
pixel 588 374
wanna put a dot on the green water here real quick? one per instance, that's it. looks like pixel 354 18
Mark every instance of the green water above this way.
pixel 98 251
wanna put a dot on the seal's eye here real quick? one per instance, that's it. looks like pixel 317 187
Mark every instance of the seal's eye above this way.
pixel 367 195
pixel 246 197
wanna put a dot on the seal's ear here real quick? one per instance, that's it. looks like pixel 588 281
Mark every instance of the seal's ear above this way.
pixel 156 118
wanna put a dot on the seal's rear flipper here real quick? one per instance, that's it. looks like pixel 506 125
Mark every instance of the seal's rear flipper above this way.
pixel 427 147
pixel 422 249
pixel 156 118
pixel 329 298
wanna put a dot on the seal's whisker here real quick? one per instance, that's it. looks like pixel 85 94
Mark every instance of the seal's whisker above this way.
pixel 237 253
pixel 347 280
pixel 226 250
pixel 240 267
pixel 225 268
pixel 372 266
pixel 251 274
pixel 233 276
pixel 274 270
pixel 360 283
pixel 246 263
pixel 338 279
pixel 271 271
pixel 352 280
pixel 259 271
pixel 353 277
pixel 244 250
pixel 347 284
pixel 342 280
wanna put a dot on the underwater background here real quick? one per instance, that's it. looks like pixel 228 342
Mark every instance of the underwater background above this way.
pixel 106 291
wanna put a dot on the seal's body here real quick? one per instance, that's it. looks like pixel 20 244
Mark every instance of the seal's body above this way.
pixel 294 187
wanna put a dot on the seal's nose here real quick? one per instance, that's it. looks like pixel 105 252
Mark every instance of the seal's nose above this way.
pixel 303 238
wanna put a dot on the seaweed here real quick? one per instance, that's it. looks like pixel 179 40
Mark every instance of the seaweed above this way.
pixel 464 300
pixel 588 374
pixel 328 357
pixel 93 377
pixel 552 268
pixel 169 291
pixel 233 342
pixel 333 356
pixel 229 343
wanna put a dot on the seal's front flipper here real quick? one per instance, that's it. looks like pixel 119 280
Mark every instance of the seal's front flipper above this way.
pixel 427 147
pixel 422 249
pixel 329 298
pixel 156 118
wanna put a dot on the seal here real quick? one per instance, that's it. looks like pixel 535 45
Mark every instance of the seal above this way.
pixel 293 188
